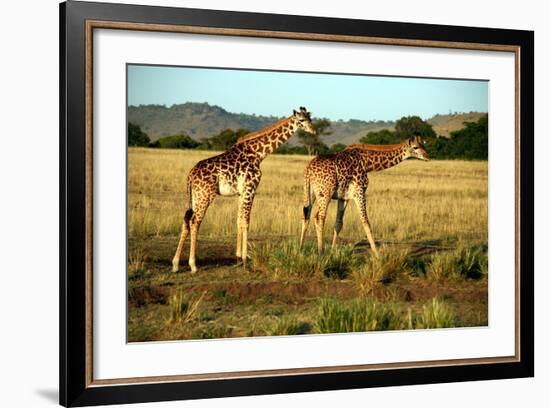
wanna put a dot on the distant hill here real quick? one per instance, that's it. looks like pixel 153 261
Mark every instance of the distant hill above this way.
pixel 198 120
pixel 202 120
pixel 443 125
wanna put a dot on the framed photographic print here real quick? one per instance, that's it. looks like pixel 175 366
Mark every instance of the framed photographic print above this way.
pixel 198 146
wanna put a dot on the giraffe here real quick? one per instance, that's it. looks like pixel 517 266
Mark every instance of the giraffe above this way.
pixel 344 176
pixel 234 172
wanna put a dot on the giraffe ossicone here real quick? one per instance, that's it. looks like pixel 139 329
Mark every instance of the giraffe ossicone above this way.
pixel 343 176
pixel 234 172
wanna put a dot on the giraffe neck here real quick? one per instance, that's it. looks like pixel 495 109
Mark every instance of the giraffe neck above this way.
pixel 264 142
pixel 379 158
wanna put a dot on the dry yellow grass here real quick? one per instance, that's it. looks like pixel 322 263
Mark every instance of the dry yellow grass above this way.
pixel 433 212
pixel 436 201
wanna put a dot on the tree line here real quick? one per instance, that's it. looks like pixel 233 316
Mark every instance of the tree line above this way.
pixel 469 143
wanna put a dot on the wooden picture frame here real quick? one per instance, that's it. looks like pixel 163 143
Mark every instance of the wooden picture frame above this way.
pixel 78 20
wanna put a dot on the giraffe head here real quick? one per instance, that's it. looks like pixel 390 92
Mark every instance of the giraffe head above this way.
pixel 303 120
pixel 415 148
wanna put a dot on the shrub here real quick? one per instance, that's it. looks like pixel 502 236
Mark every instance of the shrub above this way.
pixel 223 140
pixel 175 142
pixel 137 137
pixel 337 147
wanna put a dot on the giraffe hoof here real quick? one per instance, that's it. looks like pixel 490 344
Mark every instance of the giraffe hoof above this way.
pixel 175 269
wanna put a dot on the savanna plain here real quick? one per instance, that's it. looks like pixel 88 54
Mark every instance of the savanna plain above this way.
pixel 429 220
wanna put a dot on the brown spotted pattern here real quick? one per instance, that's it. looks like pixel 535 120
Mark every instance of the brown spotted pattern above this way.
pixel 234 172
pixel 344 176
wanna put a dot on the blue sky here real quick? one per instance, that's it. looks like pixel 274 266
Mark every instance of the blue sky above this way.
pixel 334 96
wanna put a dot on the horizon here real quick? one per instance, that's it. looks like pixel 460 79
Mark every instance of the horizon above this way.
pixel 243 91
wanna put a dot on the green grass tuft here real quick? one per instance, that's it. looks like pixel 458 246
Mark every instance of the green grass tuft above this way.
pixel 443 266
pixel 286 260
pixel 136 262
pixel 357 316
pixel 212 332
pixel 472 262
pixel 362 315
pixel 465 262
pixel 183 309
pixel 435 315
pixel 287 326
pixel 339 262
pixel 377 271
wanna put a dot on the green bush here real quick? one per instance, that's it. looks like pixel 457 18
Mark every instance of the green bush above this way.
pixel 470 142
pixel 137 137
pixel 337 147
pixel 384 136
pixel 223 140
pixel 176 142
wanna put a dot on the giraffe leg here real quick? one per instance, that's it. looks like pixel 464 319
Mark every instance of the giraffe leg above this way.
pixel 320 222
pixel 361 202
pixel 245 244
pixel 238 252
pixel 183 237
pixel 339 220
pixel 194 225
pixel 245 208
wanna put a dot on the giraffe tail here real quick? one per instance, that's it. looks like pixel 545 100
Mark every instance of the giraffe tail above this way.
pixel 307 197
pixel 189 212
